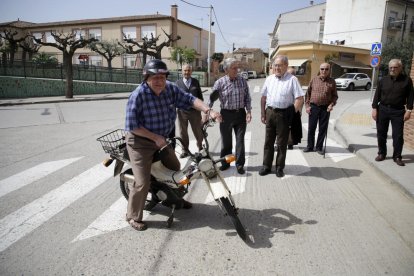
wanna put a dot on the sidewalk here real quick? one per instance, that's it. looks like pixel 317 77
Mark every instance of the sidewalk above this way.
pixel 358 130
pixel 355 126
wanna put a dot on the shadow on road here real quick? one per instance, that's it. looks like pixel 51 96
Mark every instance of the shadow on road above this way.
pixel 261 225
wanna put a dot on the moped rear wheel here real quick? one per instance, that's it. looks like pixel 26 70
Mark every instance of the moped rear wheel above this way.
pixel 231 212
pixel 124 185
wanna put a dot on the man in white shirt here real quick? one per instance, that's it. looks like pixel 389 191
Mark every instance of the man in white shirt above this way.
pixel 282 96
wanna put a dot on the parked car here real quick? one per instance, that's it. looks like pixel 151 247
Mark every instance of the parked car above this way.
pixel 252 74
pixel 350 81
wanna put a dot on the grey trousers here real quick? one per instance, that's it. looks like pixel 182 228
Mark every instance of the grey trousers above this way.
pixel 141 152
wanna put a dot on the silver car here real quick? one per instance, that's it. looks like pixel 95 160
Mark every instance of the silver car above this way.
pixel 350 81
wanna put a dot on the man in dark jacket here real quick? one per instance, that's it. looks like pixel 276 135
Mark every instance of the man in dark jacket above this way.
pixel 393 102
pixel 192 116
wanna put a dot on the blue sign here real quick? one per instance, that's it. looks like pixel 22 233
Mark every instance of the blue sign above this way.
pixel 376 49
pixel 375 61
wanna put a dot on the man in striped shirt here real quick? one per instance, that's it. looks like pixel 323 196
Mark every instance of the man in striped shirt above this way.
pixel 235 104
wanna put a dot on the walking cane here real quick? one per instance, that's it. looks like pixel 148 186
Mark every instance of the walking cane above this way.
pixel 326 136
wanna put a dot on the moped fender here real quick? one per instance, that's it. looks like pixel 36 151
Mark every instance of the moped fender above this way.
pixel 217 188
pixel 118 167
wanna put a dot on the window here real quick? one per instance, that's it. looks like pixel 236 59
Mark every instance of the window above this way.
pixel 96 60
pixel 147 31
pixel 95 33
pixel 80 34
pixel 49 37
pixel 196 42
pixel 129 32
pixel 129 61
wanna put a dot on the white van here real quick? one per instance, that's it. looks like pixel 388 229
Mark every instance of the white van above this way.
pixel 252 74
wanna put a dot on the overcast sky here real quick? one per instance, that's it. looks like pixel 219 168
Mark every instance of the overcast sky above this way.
pixel 245 23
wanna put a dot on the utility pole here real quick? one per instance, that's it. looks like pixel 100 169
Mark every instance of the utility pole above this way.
pixel 209 49
pixel 404 22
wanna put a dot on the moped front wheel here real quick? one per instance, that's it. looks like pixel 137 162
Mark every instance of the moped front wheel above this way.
pixel 232 213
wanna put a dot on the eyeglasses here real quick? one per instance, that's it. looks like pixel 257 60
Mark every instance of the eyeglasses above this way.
pixel 324 69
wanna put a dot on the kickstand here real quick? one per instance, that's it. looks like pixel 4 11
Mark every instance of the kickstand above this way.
pixel 171 217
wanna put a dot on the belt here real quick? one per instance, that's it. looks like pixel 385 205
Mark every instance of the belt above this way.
pixel 393 106
pixel 275 109
pixel 320 105
pixel 233 110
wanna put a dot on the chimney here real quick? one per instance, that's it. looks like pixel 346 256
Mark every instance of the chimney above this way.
pixel 311 3
pixel 174 11
pixel 174 23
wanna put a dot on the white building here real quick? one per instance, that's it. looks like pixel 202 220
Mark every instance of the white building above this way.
pixel 360 23
pixel 306 24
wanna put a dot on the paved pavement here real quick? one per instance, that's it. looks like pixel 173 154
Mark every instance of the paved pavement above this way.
pixel 354 125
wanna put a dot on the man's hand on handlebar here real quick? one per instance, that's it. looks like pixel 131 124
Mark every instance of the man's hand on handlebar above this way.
pixel 216 116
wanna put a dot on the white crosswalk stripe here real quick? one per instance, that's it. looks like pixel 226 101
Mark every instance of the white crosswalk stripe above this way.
pixel 21 222
pixel 235 181
pixel 33 174
pixel 16 225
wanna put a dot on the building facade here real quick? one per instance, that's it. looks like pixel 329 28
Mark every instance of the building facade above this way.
pixel 305 24
pixel 114 29
pixel 363 22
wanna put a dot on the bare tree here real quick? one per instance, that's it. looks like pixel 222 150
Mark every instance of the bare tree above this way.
pixel 148 46
pixel 28 47
pixel 68 44
pixel 9 36
pixel 109 50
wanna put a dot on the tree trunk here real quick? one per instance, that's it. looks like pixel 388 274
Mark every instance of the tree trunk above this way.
pixel 67 63
pixel 110 68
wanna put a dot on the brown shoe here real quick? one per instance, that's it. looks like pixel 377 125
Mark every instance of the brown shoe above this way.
pixel 138 225
pixel 380 157
pixel 399 162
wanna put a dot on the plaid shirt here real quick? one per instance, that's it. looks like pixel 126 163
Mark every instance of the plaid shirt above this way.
pixel 233 94
pixel 321 91
pixel 156 113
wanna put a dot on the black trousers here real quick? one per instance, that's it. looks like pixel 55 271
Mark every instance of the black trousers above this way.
pixel 396 117
pixel 277 124
pixel 318 114
pixel 233 120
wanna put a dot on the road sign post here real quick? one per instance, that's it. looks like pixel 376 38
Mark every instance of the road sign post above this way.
pixel 374 62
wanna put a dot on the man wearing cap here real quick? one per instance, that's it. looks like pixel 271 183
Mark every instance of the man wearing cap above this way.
pixel 150 117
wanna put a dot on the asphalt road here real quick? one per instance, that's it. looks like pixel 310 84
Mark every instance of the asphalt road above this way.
pixel 61 211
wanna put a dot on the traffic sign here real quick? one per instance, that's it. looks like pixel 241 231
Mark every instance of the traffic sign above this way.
pixel 375 61
pixel 376 49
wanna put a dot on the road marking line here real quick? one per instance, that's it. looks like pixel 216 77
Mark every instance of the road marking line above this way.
pixel 111 220
pixel 296 163
pixel 256 89
pixel 33 174
pixel 235 181
pixel 16 225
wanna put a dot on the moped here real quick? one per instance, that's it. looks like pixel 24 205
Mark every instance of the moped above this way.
pixel 167 186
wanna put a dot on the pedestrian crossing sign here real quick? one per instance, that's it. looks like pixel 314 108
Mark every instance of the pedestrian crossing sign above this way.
pixel 376 49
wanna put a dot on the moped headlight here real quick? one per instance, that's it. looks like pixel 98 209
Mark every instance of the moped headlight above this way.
pixel 205 165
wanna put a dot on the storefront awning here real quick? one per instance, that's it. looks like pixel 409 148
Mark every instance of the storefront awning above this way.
pixel 351 64
pixel 297 62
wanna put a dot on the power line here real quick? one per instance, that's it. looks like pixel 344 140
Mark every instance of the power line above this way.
pixel 191 4
pixel 218 25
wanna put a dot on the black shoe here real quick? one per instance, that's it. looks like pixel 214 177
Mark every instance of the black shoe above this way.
pixel 187 205
pixel 320 152
pixel 280 173
pixel 264 171
pixel 290 147
pixel 240 170
pixel 399 161
pixel 307 150
pixel 380 157
pixel 183 155
pixel 224 167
